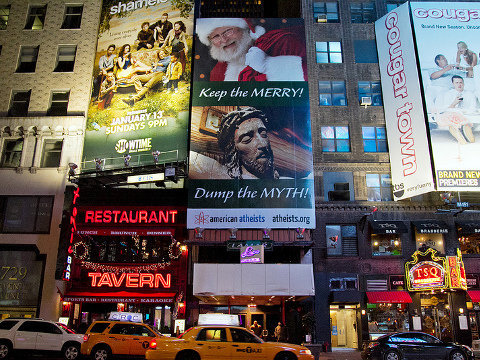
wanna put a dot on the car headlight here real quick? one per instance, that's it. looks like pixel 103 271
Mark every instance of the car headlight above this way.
pixel 305 352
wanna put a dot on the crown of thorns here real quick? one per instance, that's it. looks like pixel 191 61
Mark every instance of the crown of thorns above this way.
pixel 231 122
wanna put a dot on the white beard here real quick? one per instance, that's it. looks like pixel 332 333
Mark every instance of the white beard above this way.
pixel 233 56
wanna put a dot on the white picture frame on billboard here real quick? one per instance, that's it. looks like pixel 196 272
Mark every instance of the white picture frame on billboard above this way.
pixel 409 151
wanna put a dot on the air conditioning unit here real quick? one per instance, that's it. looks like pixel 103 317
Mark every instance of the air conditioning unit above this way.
pixel 322 18
pixel 366 101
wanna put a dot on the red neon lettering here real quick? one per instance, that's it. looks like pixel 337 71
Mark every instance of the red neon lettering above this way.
pixel 76 195
pixel 105 280
pixel 124 217
pixel 173 213
pixel 434 272
pixel 89 216
pixel 133 220
pixel 98 216
pixel 132 280
pixel 153 217
pixel 146 279
pixel 115 212
pixel 117 282
pixel 142 215
pixel 107 216
pixel 166 283
pixel 163 216
pixel 94 277
pixel 70 250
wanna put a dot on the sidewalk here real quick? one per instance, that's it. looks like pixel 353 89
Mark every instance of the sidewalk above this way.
pixel 341 354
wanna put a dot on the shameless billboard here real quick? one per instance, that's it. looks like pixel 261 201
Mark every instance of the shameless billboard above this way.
pixel 250 147
pixel 141 93
pixel 404 116
pixel 448 43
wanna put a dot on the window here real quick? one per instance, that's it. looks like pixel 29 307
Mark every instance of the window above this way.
pixel 337 284
pixel 386 244
pixel 140 330
pixel 243 336
pixel 392 5
pixel 341 240
pixel 65 58
pixel 212 335
pixel 388 318
pixel 121 329
pixel 379 187
pixel 48 328
pixel 27 61
pixel 26 214
pixel 19 103
pixel 338 186
pixel 59 103
pixel 470 244
pixel 328 52
pixel 370 92
pixel 36 17
pixel 374 139
pixel 365 51
pixel 0 49
pixel 12 153
pixel 73 17
pixel 332 93
pixel 324 12
pixel 362 12
pixel 425 241
pixel 99 327
pixel 52 152
pixel 335 139
pixel 8 324
pixel 4 14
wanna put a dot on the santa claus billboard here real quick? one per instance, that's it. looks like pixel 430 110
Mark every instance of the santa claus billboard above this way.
pixel 250 147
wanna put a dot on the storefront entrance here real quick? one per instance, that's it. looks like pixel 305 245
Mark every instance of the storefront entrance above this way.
pixel 436 318
pixel 344 325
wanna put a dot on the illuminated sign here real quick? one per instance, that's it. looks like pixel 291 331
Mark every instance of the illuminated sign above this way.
pixel 456 271
pixel 126 316
pixel 145 178
pixel 426 271
pixel 130 280
pixel 130 217
pixel 252 254
pixel 73 229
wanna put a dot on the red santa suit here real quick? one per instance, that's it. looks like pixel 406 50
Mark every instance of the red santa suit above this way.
pixel 278 55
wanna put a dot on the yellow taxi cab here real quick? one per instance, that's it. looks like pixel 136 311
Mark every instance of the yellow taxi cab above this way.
pixel 104 339
pixel 223 342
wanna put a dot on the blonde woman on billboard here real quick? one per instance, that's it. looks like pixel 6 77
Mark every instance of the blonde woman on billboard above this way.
pixel 466 59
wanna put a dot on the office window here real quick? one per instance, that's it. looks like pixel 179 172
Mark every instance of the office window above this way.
pixel 362 12
pixel 335 139
pixel 19 103
pixel 27 62
pixel 338 186
pixel 36 17
pixel 12 153
pixel 374 139
pixel 59 103
pixel 325 12
pixel 379 187
pixel 392 5
pixel 26 214
pixel 370 93
pixel 328 52
pixel 342 241
pixel 52 152
pixel 332 93
pixel 65 58
pixel 4 14
pixel 73 17
pixel 340 284
pixel 365 51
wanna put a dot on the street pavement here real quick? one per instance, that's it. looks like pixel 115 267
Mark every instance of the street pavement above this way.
pixel 342 354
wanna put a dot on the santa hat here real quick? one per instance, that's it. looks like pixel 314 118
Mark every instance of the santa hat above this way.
pixel 205 27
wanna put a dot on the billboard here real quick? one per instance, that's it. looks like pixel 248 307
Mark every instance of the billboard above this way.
pixel 404 115
pixel 448 43
pixel 250 162
pixel 141 84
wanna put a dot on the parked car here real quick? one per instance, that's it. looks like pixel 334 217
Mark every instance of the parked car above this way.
pixel 223 342
pixel 39 336
pixel 104 339
pixel 415 345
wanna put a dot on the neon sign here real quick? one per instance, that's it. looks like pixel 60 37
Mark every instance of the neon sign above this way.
pixel 73 229
pixel 426 271
pixel 251 254
pixel 130 217
pixel 130 280
pixel 456 270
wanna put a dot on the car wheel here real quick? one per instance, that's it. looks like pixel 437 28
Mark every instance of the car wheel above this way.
pixel 392 355
pixel 188 355
pixel 71 351
pixel 285 356
pixel 457 355
pixel 101 353
pixel 5 350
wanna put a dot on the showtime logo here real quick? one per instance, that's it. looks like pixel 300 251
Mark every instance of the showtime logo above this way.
pixel 451 14
pixel 133 146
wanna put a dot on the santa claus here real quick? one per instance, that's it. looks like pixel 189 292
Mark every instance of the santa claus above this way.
pixel 248 53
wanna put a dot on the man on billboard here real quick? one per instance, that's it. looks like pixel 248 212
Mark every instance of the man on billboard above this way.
pixel 243 137
pixel 249 53
pixel 161 29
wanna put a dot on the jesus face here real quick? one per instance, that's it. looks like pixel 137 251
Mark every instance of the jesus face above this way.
pixel 229 43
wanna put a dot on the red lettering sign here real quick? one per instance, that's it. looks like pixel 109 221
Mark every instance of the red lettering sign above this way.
pixel 130 216
pixel 427 274
pixel 130 280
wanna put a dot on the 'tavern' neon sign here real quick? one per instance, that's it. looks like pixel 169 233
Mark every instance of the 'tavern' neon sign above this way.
pixel 130 280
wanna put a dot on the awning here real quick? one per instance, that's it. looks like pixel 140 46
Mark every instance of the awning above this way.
pixel 393 297
pixel 125 232
pixel 388 227
pixel 474 295
pixel 468 227
pixel 118 297
pixel 431 226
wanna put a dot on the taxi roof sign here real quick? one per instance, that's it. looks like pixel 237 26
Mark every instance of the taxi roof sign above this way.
pixel 126 316
pixel 218 319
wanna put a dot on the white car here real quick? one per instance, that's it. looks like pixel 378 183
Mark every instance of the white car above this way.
pixel 40 336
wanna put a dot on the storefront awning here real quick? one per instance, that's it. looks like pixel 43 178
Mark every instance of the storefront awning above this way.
pixel 468 227
pixel 388 227
pixel 431 226
pixel 393 297
pixel 474 295
pixel 118 297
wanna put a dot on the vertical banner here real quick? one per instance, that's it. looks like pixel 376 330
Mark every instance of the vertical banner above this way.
pixel 141 83
pixel 448 45
pixel 250 148
pixel 404 116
